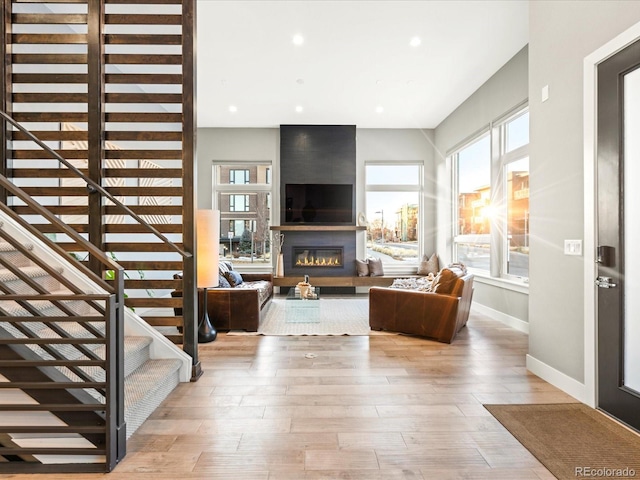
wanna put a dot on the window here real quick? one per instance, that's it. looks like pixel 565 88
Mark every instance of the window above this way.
pixel 393 212
pixel 238 177
pixel 515 158
pixel 474 209
pixel 238 203
pixel 242 193
pixel 491 188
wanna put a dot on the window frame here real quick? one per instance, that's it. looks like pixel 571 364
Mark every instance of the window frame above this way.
pixel 504 160
pixel 500 160
pixel 391 188
pixel 220 189
pixel 456 237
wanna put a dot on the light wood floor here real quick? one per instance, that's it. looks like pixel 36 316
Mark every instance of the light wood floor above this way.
pixel 381 407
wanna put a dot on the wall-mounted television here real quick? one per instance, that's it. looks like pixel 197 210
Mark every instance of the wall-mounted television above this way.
pixel 319 203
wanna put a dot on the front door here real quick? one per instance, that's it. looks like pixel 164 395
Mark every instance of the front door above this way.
pixel 618 236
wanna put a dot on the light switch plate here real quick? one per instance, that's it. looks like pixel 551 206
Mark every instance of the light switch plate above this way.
pixel 545 93
pixel 573 247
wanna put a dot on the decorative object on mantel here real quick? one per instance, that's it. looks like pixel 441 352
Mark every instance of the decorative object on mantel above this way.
pixel 362 219
pixel 278 242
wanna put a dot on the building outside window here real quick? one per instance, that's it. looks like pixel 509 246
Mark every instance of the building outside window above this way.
pixel 242 193
pixel 239 177
pixel 239 203
pixel 393 194
pixel 491 197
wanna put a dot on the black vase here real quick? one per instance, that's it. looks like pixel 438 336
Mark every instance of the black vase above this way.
pixel 206 331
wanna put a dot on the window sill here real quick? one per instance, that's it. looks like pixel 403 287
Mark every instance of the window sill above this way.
pixel 506 284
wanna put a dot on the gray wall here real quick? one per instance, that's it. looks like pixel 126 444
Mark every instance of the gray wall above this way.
pixel 506 89
pixel 561 34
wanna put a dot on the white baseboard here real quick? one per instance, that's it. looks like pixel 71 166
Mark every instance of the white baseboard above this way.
pixel 558 379
pixel 513 322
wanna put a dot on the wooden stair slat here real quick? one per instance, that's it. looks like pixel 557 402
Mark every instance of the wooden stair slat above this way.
pixel 144 78
pixel 49 18
pixel 140 59
pixel 151 265
pixel 123 39
pixel 143 136
pixel 48 38
pixel 163 302
pixel 145 284
pixel 141 19
pixel 130 117
pixel 143 98
pixel 48 58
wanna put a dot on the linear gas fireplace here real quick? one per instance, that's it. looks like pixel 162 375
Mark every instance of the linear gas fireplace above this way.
pixel 313 257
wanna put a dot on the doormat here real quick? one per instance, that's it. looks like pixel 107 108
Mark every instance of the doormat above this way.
pixel 573 440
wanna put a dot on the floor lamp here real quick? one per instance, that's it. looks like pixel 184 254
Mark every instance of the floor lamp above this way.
pixel 207 257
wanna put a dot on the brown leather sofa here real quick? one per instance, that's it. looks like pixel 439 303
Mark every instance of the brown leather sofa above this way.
pixel 438 314
pixel 237 308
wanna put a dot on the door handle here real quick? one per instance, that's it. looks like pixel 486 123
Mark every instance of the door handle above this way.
pixel 605 282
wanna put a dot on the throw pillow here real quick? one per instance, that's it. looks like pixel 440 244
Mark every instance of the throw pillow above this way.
pixel 444 281
pixel 223 282
pixel 234 278
pixel 224 266
pixel 362 267
pixel 429 265
pixel 375 267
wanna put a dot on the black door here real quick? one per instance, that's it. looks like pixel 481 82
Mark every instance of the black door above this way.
pixel 618 236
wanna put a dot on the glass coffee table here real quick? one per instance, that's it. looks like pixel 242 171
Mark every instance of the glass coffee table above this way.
pixel 302 310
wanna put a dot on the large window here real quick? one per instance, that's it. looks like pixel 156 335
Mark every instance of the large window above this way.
pixel 491 189
pixel 472 237
pixel 393 211
pixel 514 155
pixel 243 196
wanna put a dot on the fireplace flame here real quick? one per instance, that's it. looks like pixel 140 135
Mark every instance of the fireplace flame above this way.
pixel 318 262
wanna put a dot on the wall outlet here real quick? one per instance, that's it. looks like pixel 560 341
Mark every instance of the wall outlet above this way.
pixel 573 247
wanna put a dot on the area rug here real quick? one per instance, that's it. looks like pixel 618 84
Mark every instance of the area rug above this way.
pixel 338 316
pixel 573 440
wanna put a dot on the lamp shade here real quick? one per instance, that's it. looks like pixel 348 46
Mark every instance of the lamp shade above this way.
pixel 207 247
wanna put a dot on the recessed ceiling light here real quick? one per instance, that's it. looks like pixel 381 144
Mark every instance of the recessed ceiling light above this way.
pixel 300 81
pixel 298 39
pixel 379 109
pixel 378 82
pixel 299 108
pixel 415 41
pixel 233 108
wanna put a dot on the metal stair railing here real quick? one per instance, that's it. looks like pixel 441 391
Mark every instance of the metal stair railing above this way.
pixel 51 368
pixel 190 337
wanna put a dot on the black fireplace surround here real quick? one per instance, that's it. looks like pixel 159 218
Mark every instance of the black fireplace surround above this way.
pixel 318 156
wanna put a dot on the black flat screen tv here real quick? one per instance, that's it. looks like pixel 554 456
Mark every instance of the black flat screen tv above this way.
pixel 319 203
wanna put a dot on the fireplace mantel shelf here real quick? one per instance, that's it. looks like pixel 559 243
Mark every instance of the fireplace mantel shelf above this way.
pixel 317 228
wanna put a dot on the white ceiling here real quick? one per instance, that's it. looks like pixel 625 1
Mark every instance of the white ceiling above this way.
pixel 355 57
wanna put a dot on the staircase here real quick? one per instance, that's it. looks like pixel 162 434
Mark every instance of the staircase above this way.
pixel 101 102
pixel 60 340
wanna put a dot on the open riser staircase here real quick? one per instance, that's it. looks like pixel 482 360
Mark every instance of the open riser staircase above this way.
pixel 57 363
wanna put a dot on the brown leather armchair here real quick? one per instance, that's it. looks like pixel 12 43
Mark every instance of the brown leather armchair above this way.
pixel 439 315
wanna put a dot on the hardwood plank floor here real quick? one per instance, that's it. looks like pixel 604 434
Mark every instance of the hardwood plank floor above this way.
pixel 381 407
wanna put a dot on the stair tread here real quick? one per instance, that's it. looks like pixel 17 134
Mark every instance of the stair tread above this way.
pixel 7 247
pixel 32 271
pixel 146 388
